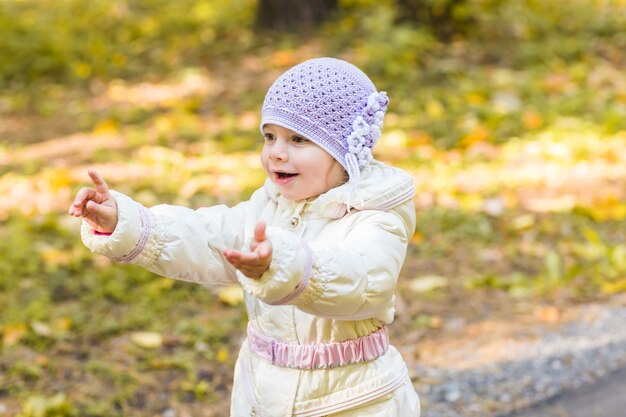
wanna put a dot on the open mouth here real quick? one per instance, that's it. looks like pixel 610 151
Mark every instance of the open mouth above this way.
pixel 283 178
pixel 284 175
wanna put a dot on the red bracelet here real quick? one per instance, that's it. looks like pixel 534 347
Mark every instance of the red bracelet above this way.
pixel 95 232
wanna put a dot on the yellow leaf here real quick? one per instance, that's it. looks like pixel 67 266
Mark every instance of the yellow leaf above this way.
pixel 12 333
pixel 63 324
pixel 614 287
pixel 284 58
pixel 475 98
pixel 118 59
pixel 510 198
pixel 608 208
pixel 222 355
pixel 478 134
pixel 59 179
pixel 418 238
pixel 231 295
pixel 106 127
pixel 56 257
pixel 419 138
pixel 147 340
pixel 82 70
pixel 532 120
pixel 434 109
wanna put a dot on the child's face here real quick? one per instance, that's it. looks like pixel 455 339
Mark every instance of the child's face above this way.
pixel 299 168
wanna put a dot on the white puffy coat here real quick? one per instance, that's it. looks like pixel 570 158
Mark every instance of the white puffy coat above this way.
pixel 356 259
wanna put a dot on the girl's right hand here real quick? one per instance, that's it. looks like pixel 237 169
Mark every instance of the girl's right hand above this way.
pixel 97 206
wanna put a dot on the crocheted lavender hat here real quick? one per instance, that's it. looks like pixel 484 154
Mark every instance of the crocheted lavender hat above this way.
pixel 332 103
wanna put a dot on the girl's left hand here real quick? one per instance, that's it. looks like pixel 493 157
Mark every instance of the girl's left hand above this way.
pixel 254 263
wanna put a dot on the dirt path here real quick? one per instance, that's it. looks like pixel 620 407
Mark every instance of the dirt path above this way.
pixel 604 398
pixel 496 368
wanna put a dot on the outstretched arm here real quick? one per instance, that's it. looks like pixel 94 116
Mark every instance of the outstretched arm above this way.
pixel 172 241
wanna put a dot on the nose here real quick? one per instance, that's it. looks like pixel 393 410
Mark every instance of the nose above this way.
pixel 278 151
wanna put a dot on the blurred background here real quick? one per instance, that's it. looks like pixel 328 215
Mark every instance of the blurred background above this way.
pixel 509 114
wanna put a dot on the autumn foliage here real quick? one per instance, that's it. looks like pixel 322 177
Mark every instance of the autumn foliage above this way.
pixel 514 130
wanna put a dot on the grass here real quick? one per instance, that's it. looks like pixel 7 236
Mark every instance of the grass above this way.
pixel 514 135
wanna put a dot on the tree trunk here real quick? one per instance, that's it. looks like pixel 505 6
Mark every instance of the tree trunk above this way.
pixel 439 15
pixel 293 15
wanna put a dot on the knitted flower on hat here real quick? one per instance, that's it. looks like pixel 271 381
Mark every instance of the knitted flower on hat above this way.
pixel 332 103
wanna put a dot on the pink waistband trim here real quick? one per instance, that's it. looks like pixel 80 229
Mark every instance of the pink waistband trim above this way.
pixel 318 355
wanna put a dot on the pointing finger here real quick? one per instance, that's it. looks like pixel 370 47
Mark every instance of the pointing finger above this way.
pixel 101 185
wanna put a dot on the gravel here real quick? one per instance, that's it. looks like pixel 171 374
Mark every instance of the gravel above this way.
pixel 529 370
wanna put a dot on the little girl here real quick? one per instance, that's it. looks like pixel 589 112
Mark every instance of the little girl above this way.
pixel 317 250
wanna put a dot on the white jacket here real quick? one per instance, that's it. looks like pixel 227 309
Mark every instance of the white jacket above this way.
pixel 356 258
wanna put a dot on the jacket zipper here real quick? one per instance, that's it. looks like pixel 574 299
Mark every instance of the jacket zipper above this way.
pixel 295 222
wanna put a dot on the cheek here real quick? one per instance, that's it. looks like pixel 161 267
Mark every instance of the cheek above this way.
pixel 264 158
pixel 337 175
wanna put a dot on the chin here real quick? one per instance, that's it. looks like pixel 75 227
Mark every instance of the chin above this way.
pixel 295 196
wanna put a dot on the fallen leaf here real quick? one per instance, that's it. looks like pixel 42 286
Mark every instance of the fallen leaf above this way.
pixel 222 355
pixel 556 83
pixel 284 58
pixel 41 329
pixel 532 120
pixel 614 287
pixel 42 360
pixel 548 314
pixel 434 109
pixel 147 340
pixel 523 222
pixel 428 283
pixel 417 238
pixel 231 295
pixel 477 135
pixel 13 333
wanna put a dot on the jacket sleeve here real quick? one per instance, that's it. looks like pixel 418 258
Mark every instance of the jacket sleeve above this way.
pixel 173 241
pixel 351 279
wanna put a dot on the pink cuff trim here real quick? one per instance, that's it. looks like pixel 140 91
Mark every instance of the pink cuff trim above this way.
pixel 146 229
pixel 303 285
pixel 318 355
pixel 95 232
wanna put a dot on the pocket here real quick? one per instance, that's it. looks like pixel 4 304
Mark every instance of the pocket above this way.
pixel 255 408
pixel 256 387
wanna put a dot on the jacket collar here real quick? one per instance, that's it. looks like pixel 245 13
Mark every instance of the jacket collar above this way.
pixel 381 187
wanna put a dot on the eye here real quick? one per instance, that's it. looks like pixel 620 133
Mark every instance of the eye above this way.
pixel 299 139
pixel 268 137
